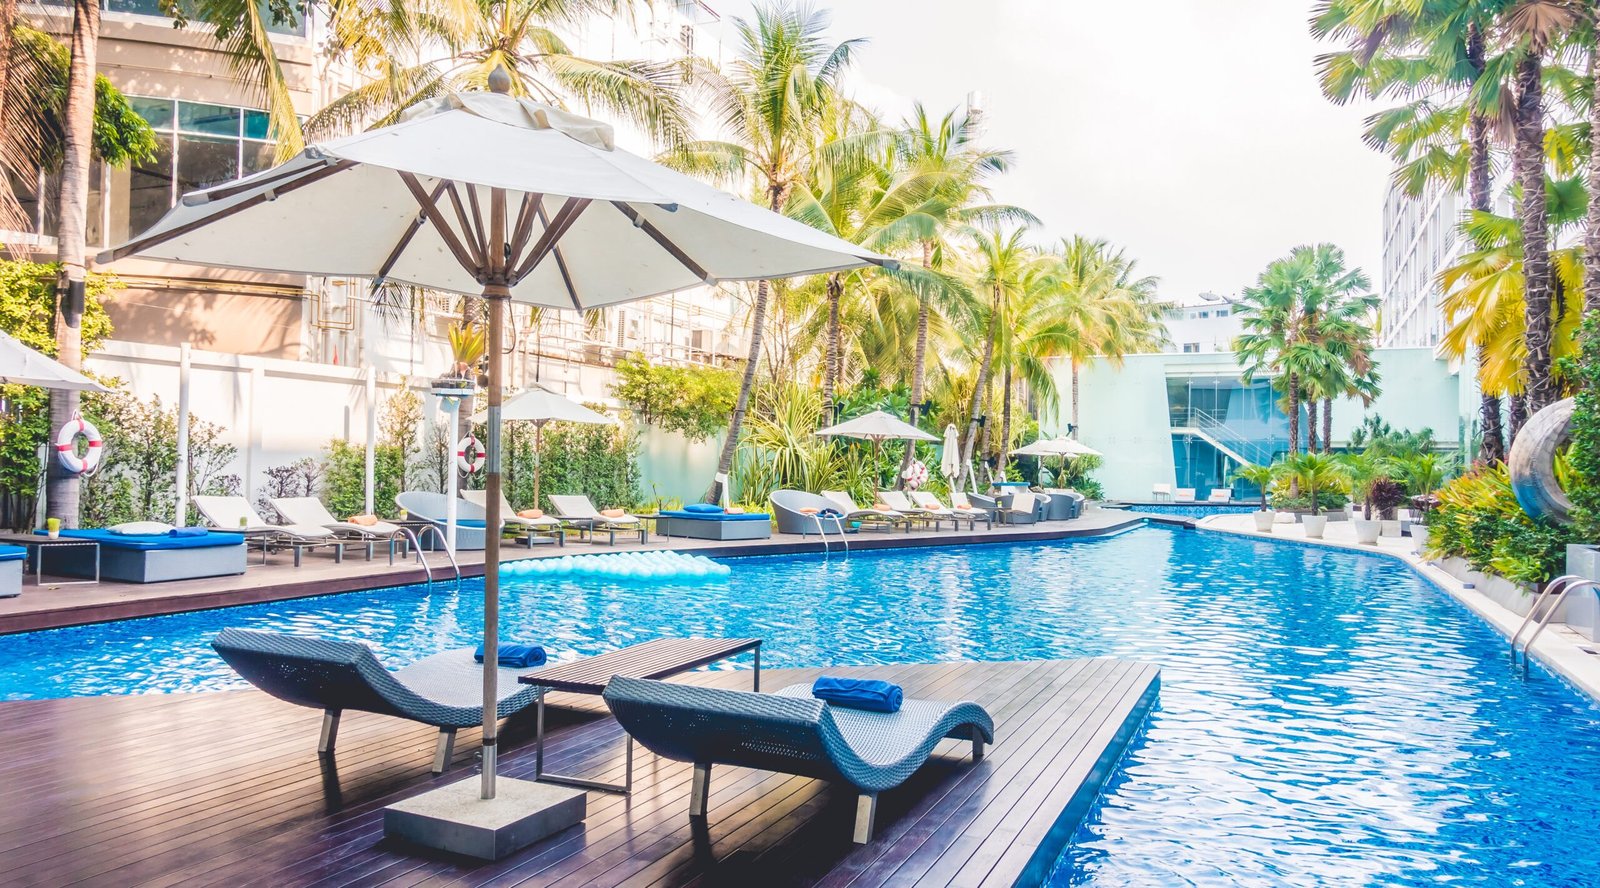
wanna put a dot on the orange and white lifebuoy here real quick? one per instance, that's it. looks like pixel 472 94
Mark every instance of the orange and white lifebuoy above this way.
pixel 67 446
pixel 469 454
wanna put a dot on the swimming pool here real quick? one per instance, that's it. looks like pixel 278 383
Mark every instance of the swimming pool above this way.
pixel 1192 510
pixel 1326 717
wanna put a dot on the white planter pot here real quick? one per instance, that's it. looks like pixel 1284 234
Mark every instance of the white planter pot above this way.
pixel 1314 525
pixel 1419 537
pixel 1367 531
pixel 1264 520
pixel 1391 528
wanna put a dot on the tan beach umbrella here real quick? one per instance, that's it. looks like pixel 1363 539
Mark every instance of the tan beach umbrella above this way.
pixel 507 198
pixel 541 406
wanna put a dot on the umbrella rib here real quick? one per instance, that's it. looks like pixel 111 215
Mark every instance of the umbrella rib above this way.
pixel 553 232
pixel 524 227
pixel 471 236
pixel 660 238
pixel 561 266
pixel 224 192
pixel 485 240
pixel 405 241
pixel 437 218
pixel 271 193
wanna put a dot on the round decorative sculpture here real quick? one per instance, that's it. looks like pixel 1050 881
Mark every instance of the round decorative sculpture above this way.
pixel 1532 463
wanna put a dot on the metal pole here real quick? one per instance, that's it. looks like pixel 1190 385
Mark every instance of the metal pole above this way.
pixel 453 405
pixel 372 435
pixel 257 383
pixel 497 295
pixel 182 512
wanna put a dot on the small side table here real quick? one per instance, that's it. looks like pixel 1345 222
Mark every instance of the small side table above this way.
pixel 36 545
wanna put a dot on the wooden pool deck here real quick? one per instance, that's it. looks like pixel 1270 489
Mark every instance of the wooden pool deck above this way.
pixel 50 607
pixel 226 789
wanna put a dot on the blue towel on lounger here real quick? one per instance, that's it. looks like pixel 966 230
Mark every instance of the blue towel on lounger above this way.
pixel 859 693
pixel 516 656
pixel 188 532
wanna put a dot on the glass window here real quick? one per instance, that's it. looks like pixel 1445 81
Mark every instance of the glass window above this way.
pixel 255 157
pixel 214 120
pixel 204 161
pixel 295 26
pixel 141 193
pixel 256 124
pixel 156 112
pixel 1190 348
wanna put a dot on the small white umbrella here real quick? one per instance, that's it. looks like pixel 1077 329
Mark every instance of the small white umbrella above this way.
pixel 21 365
pixel 486 193
pixel 540 406
pixel 950 459
pixel 1056 447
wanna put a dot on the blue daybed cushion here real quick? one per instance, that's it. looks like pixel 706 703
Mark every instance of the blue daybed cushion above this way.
pixel 704 508
pixel 12 553
pixel 715 516
pixel 153 542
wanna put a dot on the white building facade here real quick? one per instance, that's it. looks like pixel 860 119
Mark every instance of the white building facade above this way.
pixel 1205 324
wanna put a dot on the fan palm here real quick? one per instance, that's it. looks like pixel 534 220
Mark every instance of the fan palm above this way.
pixel 773 101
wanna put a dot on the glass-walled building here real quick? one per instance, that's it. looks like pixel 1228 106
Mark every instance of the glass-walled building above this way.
pixel 1219 423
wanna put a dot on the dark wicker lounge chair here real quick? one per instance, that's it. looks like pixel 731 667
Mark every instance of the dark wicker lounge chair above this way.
pixel 444 690
pixel 792 733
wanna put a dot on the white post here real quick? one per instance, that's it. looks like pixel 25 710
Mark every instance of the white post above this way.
pixel 182 515
pixel 372 435
pixel 453 405
pixel 257 381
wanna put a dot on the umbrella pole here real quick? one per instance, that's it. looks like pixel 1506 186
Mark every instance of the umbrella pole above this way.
pixel 496 294
pixel 538 442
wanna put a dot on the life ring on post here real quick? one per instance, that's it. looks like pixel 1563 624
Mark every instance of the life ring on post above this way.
pixel 67 446
pixel 469 454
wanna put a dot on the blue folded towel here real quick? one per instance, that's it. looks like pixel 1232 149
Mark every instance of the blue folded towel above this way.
pixel 705 508
pixel 516 656
pixel 188 532
pixel 830 513
pixel 859 693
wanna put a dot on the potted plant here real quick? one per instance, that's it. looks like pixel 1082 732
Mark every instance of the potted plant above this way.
pixel 1424 505
pixel 1314 473
pixel 1385 496
pixel 1380 497
pixel 1261 477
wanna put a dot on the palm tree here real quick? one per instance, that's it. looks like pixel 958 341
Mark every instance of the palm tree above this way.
pixel 1002 268
pixel 773 101
pixel 61 487
pixel 1116 312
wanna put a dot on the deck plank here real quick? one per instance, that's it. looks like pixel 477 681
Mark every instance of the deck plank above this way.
pixel 225 789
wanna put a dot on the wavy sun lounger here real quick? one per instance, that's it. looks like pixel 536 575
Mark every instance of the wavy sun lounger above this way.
pixel 309 511
pixel 444 690
pixel 234 514
pixel 545 529
pixel 577 511
pixel 792 733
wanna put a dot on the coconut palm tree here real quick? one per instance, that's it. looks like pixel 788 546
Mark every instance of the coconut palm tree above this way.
pixel 1115 310
pixel 1003 266
pixel 772 100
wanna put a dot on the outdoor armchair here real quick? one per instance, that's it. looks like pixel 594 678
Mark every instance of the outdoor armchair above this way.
pixel 791 732
pixel 797 511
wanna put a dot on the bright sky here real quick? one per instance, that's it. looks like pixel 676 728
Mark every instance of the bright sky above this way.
pixel 1191 132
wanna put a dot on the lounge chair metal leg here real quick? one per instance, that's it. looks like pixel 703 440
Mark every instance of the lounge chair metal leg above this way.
pixel 445 749
pixel 700 791
pixel 330 730
pixel 977 744
pixel 866 812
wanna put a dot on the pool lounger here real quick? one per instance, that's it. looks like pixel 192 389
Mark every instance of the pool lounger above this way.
pixel 791 732
pixel 444 690
pixel 714 525
pixel 577 511
pixel 12 559
pixel 154 558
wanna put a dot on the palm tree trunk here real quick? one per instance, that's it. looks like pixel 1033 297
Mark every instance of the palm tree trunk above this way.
pixel 1518 416
pixel 1005 416
pixel 1074 399
pixel 61 488
pixel 1293 396
pixel 1327 425
pixel 1311 425
pixel 919 360
pixel 1528 164
pixel 752 364
pixel 831 356
pixel 8 20
pixel 979 385
pixel 1480 194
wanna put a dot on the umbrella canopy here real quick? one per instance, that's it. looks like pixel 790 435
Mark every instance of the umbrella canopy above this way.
pixel 950 456
pixel 1056 447
pixel 22 365
pixel 539 406
pixel 878 426
pixel 418 201
pixel 491 194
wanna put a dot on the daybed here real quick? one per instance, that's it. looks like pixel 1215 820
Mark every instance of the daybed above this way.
pixel 156 558
pixel 791 732
pixel 788 506
pixel 720 525
pixel 12 560
pixel 431 507
pixel 444 690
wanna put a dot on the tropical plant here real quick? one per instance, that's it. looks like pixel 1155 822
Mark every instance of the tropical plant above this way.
pixel 1384 495
pixel 773 100
pixel 1479 520
pixel 781 448
pixel 1316 474
pixel 1003 269
pixel 1259 474
pixel 344 478
pixel 692 401
pixel 1419 473
pixel 1584 371
pixel 1112 310
pixel 138 479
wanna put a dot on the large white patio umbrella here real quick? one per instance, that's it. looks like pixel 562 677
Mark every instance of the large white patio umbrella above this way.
pixel 484 193
pixel 22 365
pixel 541 406
pixel 877 427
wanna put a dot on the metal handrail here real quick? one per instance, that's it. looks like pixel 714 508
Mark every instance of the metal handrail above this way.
pixel 416 547
pixel 822 531
pixel 1556 593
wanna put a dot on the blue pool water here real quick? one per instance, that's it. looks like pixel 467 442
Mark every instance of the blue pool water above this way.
pixel 1326 718
pixel 1192 510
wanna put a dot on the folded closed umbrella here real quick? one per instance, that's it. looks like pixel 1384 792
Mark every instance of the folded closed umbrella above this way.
pixel 950 458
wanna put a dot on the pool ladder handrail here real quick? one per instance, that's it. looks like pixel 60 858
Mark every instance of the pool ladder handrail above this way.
pixel 1556 592
pixel 444 544
pixel 838 523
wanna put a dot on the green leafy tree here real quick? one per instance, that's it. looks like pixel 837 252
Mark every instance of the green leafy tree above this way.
pixel 693 401
pixel 138 479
